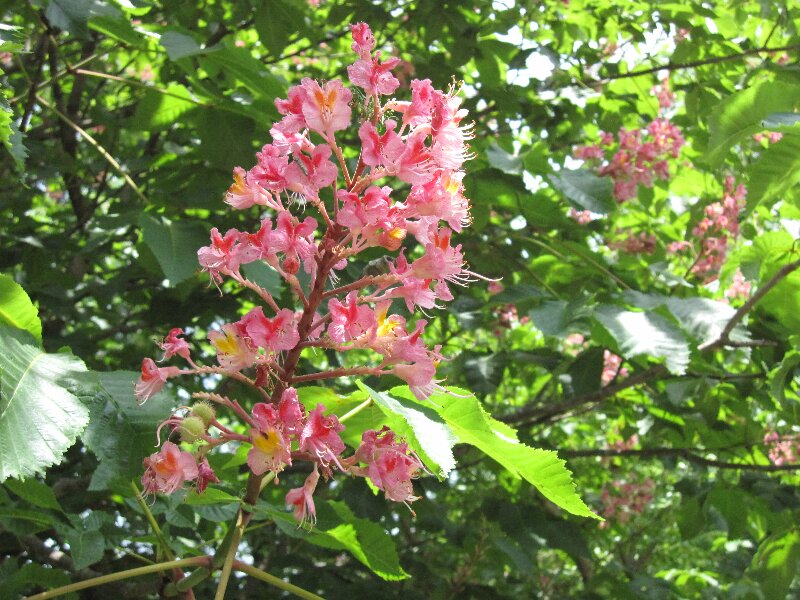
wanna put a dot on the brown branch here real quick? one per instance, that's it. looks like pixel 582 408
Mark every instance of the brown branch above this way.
pixel 724 339
pixel 671 66
pixel 689 454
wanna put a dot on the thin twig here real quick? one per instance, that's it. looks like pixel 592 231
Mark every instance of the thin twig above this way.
pixel 111 160
pixel 723 339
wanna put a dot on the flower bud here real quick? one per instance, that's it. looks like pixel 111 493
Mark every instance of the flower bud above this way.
pixel 205 411
pixel 191 429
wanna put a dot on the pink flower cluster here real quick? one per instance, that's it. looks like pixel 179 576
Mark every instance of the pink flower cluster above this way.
pixel 612 368
pixel 771 137
pixel 421 142
pixel 624 499
pixel 721 222
pixel 644 243
pixel 740 288
pixel 783 449
pixel 636 157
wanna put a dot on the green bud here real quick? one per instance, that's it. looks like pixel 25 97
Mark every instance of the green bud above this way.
pixel 205 411
pixel 191 429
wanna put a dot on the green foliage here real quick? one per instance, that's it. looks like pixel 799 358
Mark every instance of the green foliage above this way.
pixel 16 308
pixel 40 412
pixel 673 457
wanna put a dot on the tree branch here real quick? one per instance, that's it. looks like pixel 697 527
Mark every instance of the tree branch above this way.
pixel 689 454
pixel 671 66
pixel 724 339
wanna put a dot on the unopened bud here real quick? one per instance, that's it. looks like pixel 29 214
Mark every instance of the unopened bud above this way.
pixel 205 411
pixel 192 429
pixel 291 265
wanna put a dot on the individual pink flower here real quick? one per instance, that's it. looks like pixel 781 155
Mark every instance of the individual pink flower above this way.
pixel 243 194
pixel 302 499
pixel 271 449
pixel 226 254
pixel 168 469
pixel 294 239
pixel 205 475
pixel 234 350
pixel 390 466
pixel 326 108
pixel 320 436
pixel 363 40
pixel 349 320
pixel 420 377
pixel 152 379
pixel 270 170
pixel 292 111
pixel 290 412
pixel 317 172
pixel 174 344
pixel 275 334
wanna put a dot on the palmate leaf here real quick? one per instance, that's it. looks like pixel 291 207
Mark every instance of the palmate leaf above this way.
pixel 776 172
pixel 338 528
pixel 40 414
pixel 543 469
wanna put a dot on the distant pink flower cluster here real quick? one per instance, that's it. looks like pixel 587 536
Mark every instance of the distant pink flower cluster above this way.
pixel 783 449
pixel 634 158
pixel 612 368
pixel 422 143
pixel 771 137
pixel 622 500
pixel 644 243
pixel 582 217
pixel 740 288
pixel 664 94
pixel 720 223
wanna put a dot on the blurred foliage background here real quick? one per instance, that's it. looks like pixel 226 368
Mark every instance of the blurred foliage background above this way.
pixel 122 121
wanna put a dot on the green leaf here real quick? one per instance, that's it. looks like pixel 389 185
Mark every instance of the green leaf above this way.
pixel 174 245
pixel 422 428
pixel 86 542
pixel 740 115
pixel 502 160
pixel 703 318
pixel 775 563
pixel 647 333
pixel 543 469
pixel 11 136
pixel 34 492
pixel 277 21
pixel 121 432
pixel 338 528
pixel 210 496
pixel 783 374
pixel 159 111
pixel 180 45
pixel 240 65
pixel 29 577
pixel 775 172
pixel 585 190
pixel 16 308
pixel 117 28
pixel 40 415
pixel 72 15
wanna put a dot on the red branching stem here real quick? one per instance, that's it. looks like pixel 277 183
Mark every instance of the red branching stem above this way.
pixel 340 157
pixel 356 285
pixel 233 375
pixel 264 294
pixel 337 373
